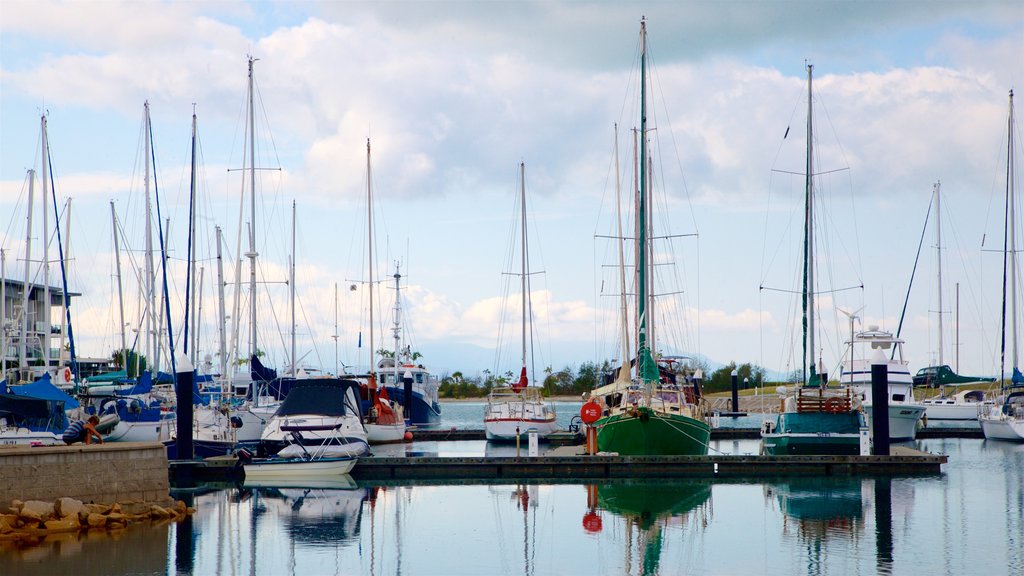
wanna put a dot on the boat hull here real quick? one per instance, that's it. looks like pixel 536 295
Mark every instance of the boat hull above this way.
pixel 421 412
pixel 143 431
pixel 903 419
pixel 508 429
pixel 384 433
pixel 294 469
pixel 1002 429
pixel 649 433
pixel 952 411
pixel 813 433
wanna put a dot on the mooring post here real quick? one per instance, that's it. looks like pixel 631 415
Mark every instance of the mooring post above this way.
pixel 735 392
pixel 407 388
pixel 880 406
pixel 184 379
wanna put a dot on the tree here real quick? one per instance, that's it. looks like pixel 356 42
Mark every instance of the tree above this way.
pixel 129 361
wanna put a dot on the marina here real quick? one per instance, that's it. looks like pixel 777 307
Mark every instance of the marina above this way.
pixel 260 349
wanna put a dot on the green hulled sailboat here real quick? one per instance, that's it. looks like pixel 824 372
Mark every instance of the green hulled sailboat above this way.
pixel 654 413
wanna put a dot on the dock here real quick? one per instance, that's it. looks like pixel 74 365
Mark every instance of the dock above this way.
pixel 716 434
pixel 568 462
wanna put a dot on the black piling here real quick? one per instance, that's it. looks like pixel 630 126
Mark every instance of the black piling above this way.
pixel 735 392
pixel 184 448
pixel 880 408
pixel 407 402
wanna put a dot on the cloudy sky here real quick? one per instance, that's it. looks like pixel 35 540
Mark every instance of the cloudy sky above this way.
pixel 454 95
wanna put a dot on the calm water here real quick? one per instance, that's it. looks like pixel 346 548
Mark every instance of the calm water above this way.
pixel 967 520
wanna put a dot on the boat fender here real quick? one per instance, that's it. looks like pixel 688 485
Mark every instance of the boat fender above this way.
pixel 236 422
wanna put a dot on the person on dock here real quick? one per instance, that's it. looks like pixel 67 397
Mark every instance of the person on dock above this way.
pixel 83 431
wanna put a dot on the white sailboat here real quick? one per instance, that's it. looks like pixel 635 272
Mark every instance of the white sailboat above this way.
pixel 513 411
pixel 964 403
pixel 1005 421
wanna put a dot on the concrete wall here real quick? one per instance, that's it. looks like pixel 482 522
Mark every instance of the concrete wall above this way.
pixel 100 473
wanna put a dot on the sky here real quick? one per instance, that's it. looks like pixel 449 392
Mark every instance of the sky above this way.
pixel 453 96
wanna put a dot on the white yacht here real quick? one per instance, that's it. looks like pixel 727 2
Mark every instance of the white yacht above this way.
pixel 875 346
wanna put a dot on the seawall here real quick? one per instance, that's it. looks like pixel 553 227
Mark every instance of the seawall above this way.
pixel 98 473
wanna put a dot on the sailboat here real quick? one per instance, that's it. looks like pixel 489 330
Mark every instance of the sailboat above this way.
pixel 514 411
pixel 1005 421
pixel 812 418
pixel 653 414
pixel 384 420
pixel 965 403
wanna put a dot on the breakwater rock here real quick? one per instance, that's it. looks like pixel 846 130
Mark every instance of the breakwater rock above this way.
pixel 29 522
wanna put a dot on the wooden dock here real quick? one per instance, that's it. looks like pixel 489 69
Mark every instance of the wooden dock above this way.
pixel 566 462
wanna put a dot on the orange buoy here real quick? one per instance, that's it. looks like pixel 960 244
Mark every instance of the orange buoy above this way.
pixel 408 436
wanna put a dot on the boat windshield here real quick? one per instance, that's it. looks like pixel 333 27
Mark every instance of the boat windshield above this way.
pixel 327 396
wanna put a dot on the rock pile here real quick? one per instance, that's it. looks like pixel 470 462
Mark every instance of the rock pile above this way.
pixel 34 518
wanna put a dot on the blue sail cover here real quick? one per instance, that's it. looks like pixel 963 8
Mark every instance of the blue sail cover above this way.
pixel 261 373
pixel 43 389
pixel 1017 379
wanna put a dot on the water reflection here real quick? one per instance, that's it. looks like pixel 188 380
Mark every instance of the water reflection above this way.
pixel 828 514
pixel 648 507
pixel 139 549
pixel 312 511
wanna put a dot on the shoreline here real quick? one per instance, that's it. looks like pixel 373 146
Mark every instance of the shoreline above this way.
pixel 483 399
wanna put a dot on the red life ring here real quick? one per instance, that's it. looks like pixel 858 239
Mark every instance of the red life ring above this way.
pixel 590 412
pixel 834 405
pixel 67 374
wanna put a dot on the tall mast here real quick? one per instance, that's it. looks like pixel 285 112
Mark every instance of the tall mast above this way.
pixel 522 278
pixel 151 341
pixel 938 259
pixel 222 340
pixel 369 264
pixel 397 328
pixel 291 286
pixel 46 308
pixel 335 336
pixel 623 308
pixel 191 251
pixel 65 299
pixel 1013 231
pixel 120 293
pixel 643 354
pixel 253 348
pixel 63 269
pixel 26 287
pixel 1009 253
pixel 808 295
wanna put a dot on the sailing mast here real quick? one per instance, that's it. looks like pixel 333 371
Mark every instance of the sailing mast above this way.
pixel 938 258
pixel 151 340
pixel 26 288
pixel 251 255
pixel 645 363
pixel 1009 255
pixel 291 285
pixel 623 376
pixel 369 265
pixel 524 283
pixel 222 340
pixel 808 295
pixel 46 309
pixel 191 249
pixel 120 292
